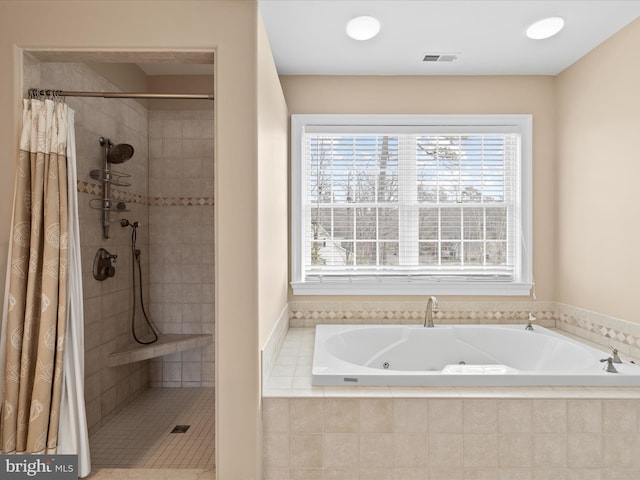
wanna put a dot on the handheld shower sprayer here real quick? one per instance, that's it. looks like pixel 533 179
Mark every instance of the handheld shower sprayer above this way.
pixel 135 257
pixel 126 223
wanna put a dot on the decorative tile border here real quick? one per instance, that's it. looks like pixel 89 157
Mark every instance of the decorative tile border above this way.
pixel 602 329
pixel 310 314
pixel 180 201
pixel 124 196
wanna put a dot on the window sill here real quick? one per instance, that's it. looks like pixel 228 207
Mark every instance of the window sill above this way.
pixel 412 288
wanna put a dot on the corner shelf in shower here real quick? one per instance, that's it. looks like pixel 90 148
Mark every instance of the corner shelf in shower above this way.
pixel 166 345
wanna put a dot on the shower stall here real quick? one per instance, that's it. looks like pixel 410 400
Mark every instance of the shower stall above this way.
pixel 145 184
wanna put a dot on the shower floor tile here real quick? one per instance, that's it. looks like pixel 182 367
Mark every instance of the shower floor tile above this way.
pixel 140 436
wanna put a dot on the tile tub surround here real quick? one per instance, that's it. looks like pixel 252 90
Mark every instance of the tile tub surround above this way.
pixel 442 432
pixel 272 346
pixel 310 314
pixel 595 327
pixel 451 438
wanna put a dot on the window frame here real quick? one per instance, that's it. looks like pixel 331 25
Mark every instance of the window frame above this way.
pixel 522 282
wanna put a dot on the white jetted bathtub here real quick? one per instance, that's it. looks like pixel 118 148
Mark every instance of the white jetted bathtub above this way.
pixel 460 355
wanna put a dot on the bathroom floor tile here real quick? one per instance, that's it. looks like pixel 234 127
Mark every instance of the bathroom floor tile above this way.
pixel 140 436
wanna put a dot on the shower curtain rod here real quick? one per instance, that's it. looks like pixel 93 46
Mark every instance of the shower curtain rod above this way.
pixel 35 92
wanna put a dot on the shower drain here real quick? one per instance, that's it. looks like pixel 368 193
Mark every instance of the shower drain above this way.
pixel 180 428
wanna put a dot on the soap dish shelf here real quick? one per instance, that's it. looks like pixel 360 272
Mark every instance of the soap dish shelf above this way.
pixel 107 205
pixel 113 177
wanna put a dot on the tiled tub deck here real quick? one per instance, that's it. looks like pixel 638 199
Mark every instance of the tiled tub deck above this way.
pixel 442 433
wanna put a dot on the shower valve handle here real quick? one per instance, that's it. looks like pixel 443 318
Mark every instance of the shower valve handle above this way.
pixel 102 265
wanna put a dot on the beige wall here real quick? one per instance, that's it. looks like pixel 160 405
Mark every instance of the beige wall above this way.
pixel 272 190
pixel 451 95
pixel 229 27
pixel 598 123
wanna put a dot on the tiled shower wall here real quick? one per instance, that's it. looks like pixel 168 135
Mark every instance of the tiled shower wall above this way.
pixel 107 304
pixel 181 146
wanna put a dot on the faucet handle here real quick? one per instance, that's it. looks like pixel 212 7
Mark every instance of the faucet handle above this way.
pixel 614 355
pixel 532 319
pixel 609 368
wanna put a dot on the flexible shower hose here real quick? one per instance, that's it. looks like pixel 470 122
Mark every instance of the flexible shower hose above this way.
pixel 135 259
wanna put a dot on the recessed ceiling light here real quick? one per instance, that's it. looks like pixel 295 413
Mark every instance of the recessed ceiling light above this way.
pixel 545 28
pixel 363 28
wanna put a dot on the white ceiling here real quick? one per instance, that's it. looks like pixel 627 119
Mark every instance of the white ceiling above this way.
pixel 308 37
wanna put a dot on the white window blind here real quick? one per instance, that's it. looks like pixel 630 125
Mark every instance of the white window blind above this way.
pixel 390 206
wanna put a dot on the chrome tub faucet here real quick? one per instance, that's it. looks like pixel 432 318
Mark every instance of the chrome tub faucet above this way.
pixel 432 304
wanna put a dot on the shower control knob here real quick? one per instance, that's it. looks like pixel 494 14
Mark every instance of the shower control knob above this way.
pixel 102 265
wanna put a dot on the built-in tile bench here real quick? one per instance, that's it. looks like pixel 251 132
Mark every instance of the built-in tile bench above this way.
pixel 166 345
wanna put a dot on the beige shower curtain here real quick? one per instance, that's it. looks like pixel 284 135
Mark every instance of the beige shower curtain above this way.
pixel 37 287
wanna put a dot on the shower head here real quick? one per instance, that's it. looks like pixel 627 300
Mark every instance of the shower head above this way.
pixel 116 153
pixel 119 153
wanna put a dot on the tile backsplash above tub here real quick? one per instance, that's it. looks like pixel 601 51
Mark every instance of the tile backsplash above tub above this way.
pixel 310 314
pixel 598 328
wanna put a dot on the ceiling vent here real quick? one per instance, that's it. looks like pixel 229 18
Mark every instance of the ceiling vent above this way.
pixel 440 57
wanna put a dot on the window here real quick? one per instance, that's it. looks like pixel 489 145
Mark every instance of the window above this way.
pixel 418 204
